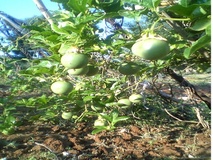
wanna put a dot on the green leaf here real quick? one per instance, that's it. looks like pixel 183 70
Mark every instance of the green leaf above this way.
pixel 151 3
pixel 88 98
pixel 107 117
pixel 10 119
pixel 181 10
pixel 43 99
pixel 99 129
pixel 183 3
pixel 208 30
pixel 58 30
pixel 64 48
pixel 199 11
pixel 114 115
pixel 68 26
pixel 111 104
pixel 201 42
pixel 8 131
pixel 79 5
pixel 189 11
pixel 201 24
pixel 122 118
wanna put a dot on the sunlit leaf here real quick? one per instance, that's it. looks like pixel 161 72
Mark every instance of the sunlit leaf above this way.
pixel 183 3
pixel 201 42
pixel 151 3
pixel 88 98
pixel 79 5
pixel 122 118
pixel 58 30
pixel 208 30
pixel 99 129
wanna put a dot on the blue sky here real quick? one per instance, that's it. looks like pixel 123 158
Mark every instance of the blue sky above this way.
pixel 22 9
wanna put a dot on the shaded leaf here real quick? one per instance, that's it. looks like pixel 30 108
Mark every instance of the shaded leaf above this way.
pixel 188 11
pixel 201 24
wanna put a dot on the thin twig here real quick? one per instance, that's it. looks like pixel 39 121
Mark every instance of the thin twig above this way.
pixel 40 144
pixel 178 118
pixel 201 121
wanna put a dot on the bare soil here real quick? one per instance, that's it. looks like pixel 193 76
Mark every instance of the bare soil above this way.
pixel 76 142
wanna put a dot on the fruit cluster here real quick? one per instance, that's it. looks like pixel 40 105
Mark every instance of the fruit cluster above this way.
pixel 76 64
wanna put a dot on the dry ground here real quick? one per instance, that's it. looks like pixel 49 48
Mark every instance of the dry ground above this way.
pixel 75 142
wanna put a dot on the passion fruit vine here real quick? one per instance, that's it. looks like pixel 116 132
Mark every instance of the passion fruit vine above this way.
pixel 151 48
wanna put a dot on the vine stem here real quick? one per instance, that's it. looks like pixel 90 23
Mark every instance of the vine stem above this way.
pixel 176 19
pixel 153 26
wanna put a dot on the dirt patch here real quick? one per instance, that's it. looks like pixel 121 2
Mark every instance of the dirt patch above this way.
pixel 131 142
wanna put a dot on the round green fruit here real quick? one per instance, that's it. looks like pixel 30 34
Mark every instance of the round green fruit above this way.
pixel 151 49
pixel 74 60
pixel 135 98
pixel 128 68
pixel 66 115
pixel 78 71
pixel 92 71
pixel 61 87
pixel 124 102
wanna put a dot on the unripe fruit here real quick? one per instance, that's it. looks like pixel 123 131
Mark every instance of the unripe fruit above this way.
pixel 151 48
pixel 128 68
pixel 66 115
pixel 61 87
pixel 78 71
pixel 74 60
pixel 92 71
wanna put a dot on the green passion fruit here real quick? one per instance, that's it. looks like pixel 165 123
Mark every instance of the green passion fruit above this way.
pixel 151 48
pixel 135 98
pixel 61 87
pixel 128 68
pixel 66 115
pixel 74 60
pixel 78 71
